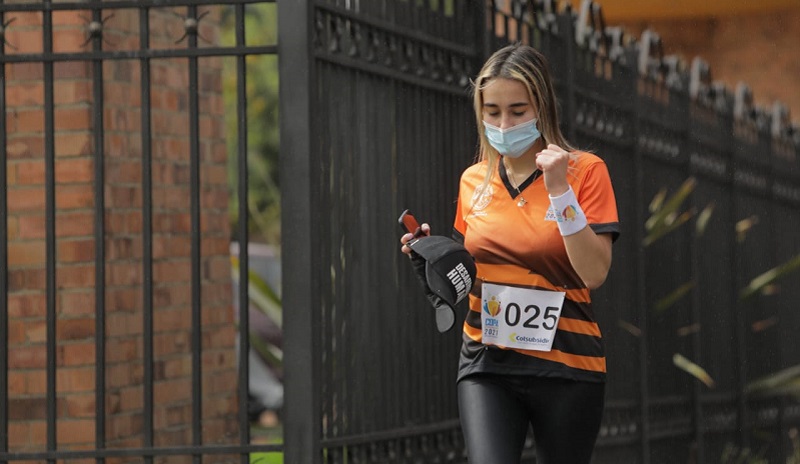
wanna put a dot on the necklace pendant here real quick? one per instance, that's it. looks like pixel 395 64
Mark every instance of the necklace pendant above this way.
pixel 521 202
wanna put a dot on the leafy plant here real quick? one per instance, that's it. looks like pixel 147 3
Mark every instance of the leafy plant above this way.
pixel 703 218
pixel 785 381
pixel 763 281
pixel 692 369
pixel 744 226
pixel 266 300
pixel 261 110
pixel 733 454
pixel 266 458
pixel 674 296
pixel 630 328
pixel 665 216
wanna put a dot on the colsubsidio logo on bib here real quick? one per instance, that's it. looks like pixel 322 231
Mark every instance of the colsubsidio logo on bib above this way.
pixel 524 339
pixel 492 307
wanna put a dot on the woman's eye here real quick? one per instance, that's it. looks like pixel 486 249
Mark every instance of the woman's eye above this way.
pixel 518 114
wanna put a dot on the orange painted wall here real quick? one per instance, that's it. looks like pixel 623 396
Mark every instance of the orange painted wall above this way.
pixel 760 49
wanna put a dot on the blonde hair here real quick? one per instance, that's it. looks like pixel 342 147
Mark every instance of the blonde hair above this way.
pixel 524 64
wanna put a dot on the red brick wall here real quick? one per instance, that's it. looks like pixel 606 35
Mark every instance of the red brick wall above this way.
pixel 75 200
pixel 761 50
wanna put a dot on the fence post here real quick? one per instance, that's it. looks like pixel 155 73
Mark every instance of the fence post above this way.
pixel 484 28
pixel 641 293
pixel 3 268
pixel 567 26
pixel 300 284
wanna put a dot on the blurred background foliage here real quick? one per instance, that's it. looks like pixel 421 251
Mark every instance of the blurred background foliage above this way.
pixel 261 28
pixel 263 191
pixel 666 216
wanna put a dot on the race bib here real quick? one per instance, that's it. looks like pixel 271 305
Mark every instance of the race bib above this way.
pixel 520 317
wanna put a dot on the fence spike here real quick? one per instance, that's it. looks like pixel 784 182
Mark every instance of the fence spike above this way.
pixel 545 13
pixel 742 101
pixel 616 43
pixel 582 23
pixel 674 67
pixel 719 95
pixel 650 43
pixel 699 77
pixel 780 119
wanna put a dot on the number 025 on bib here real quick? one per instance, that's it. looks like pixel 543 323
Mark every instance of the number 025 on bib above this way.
pixel 521 318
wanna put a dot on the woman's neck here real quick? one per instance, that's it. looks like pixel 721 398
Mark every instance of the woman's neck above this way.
pixel 519 169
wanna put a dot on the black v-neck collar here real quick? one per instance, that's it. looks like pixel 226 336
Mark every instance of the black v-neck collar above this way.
pixel 513 192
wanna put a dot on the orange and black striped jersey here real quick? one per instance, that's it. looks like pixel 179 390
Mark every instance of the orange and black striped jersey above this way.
pixel 522 246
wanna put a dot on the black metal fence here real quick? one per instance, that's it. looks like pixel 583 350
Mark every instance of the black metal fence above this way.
pixel 377 119
pixel 133 285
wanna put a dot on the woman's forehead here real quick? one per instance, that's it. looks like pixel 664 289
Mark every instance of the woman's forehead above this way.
pixel 502 91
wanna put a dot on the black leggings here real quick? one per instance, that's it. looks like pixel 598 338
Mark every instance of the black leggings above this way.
pixel 496 410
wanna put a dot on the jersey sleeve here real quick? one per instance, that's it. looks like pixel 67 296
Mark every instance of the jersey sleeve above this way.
pixel 459 224
pixel 597 200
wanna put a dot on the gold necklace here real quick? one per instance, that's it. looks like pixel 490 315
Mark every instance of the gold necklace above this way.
pixel 521 202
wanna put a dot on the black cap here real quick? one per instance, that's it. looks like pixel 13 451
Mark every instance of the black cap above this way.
pixel 450 272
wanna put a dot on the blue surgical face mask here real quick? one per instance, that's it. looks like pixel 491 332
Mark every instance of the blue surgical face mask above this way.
pixel 514 141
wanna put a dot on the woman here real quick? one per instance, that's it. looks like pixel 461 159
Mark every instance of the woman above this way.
pixel 539 217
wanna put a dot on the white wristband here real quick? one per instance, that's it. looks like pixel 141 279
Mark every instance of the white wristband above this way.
pixel 568 213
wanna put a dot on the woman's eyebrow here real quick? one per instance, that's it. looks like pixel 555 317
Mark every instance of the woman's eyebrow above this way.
pixel 513 105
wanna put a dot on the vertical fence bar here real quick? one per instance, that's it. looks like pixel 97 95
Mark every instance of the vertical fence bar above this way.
pixel 568 118
pixel 147 234
pixel 50 227
pixel 641 289
pixel 326 380
pixel 197 317
pixel 243 234
pixel 740 349
pixel 695 272
pixel 99 240
pixel 3 261
pixel 301 280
